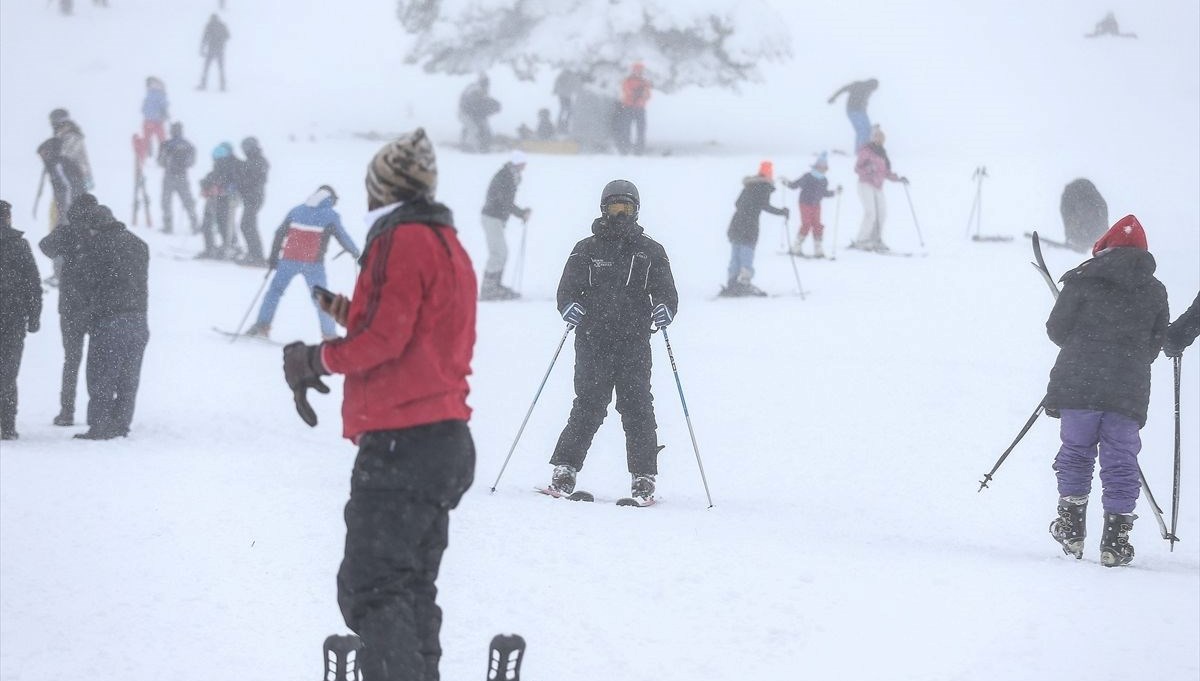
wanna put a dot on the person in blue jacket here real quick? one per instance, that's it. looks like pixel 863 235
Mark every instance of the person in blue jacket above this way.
pixel 154 114
pixel 299 249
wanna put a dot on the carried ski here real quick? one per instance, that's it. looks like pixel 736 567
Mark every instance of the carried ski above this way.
pixel 578 495
pixel 259 339
pixel 1053 242
pixel 1040 264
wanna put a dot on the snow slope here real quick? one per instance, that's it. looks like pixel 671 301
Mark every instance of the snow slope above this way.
pixel 843 435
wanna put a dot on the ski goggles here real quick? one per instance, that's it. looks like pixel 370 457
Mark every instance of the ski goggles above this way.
pixel 618 208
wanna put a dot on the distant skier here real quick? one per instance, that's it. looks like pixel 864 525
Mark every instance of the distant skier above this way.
pixel 858 94
pixel 1183 331
pixel 212 48
pixel 155 112
pixel 814 186
pixel 67 245
pixel 615 285
pixel 219 189
pixel 73 146
pixel 299 249
pixel 116 268
pixel 566 86
pixel 873 167
pixel 410 334
pixel 67 183
pixel 635 94
pixel 252 187
pixel 1109 321
pixel 20 313
pixel 176 156
pixel 497 207
pixel 1108 26
pixel 475 106
pixel 1084 214
pixel 754 199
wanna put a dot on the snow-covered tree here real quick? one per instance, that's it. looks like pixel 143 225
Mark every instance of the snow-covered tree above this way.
pixel 681 42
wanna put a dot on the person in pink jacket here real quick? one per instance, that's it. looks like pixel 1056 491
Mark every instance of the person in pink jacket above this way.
pixel 873 168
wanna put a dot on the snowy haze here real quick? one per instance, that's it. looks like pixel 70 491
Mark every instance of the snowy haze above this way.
pixel 843 436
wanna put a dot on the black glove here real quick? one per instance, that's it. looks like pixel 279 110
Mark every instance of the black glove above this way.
pixel 33 324
pixel 302 369
pixel 787 213
pixel 1169 349
pixel 661 315
pixel 573 314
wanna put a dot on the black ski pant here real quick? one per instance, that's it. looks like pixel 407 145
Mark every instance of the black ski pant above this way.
pixel 401 491
pixel 216 226
pixel 12 345
pixel 177 184
pixel 602 366
pixel 250 207
pixel 114 369
pixel 219 57
pixel 74 329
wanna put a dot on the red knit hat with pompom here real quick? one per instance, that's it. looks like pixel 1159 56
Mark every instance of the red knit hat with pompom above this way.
pixel 1125 233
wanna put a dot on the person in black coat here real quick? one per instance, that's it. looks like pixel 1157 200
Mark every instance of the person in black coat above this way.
pixel 212 48
pixel 67 244
pixel 616 283
pixel 252 186
pixel 1109 321
pixel 20 312
pixel 499 204
pixel 219 189
pixel 1183 331
pixel 176 156
pixel 116 267
pixel 743 230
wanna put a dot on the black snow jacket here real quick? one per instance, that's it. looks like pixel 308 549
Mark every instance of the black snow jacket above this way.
pixel 216 34
pixel 1184 330
pixel 501 194
pixel 1110 321
pixel 69 242
pixel 754 199
pixel 176 156
pixel 252 177
pixel 67 180
pixel 116 267
pixel 618 275
pixel 20 283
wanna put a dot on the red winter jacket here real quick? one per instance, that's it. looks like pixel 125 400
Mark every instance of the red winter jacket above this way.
pixel 411 327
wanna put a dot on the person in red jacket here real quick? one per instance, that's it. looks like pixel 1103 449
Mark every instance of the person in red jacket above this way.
pixel 635 93
pixel 406 356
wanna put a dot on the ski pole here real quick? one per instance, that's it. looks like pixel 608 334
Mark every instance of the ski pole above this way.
pixel 787 235
pixel 38 199
pixel 250 309
pixel 912 210
pixel 837 214
pixel 974 203
pixel 686 415
pixel 529 413
pixel 1175 487
pixel 1028 424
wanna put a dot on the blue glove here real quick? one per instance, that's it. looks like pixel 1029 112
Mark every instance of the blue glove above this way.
pixel 573 314
pixel 661 315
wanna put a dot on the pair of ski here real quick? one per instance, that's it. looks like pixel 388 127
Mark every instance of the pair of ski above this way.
pixel 1167 534
pixel 588 496
pixel 234 335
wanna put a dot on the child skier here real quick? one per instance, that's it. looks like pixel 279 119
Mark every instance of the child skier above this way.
pixel 743 230
pixel 814 186
pixel 1109 321
pixel 615 284
pixel 299 249
pixel 154 113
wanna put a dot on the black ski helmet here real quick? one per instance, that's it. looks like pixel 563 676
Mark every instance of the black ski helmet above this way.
pixel 59 116
pixel 620 189
pixel 250 145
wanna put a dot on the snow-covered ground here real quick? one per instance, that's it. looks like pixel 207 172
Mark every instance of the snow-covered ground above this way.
pixel 843 435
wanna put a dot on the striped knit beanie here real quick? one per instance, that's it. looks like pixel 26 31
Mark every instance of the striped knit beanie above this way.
pixel 403 170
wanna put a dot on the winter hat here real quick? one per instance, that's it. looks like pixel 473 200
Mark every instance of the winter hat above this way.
pixel 82 208
pixel 323 192
pixel 766 169
pixel 222 150
pixel 5 212
pixel 1125 233
pixel 822 162
pixel 517 158
pixel 403 170
pixel 250 145
pixel 59 116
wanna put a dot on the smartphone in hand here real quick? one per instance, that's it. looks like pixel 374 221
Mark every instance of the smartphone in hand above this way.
pixel 324 294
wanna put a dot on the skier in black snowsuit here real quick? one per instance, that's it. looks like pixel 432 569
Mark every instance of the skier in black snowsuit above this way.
pixel 219 189
pixel 115 265
pixel 615 284
pixel 20 312
pixel 1183 331
pixel 212 48
pixel 67 244
pixel 252 185
pixel 176 156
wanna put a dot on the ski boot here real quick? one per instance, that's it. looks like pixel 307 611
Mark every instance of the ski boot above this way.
pixel 1115 548
pixel 257 330
pixel 492 289
pixel 641 487
pixel 563 480
pixel 818 250
pixel 64 418
pixel 1070 528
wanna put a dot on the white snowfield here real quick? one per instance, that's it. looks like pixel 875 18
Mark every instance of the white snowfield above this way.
pixel 843 435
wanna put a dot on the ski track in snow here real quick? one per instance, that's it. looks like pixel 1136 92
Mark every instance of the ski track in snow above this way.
pixel 843 436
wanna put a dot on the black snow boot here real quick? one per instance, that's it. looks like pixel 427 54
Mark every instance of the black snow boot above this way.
pixel 641 486
pixel 563 479
pixel 1115 548
pixel 1070 527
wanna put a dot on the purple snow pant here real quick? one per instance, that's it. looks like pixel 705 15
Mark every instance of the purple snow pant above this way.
pixel 1116 437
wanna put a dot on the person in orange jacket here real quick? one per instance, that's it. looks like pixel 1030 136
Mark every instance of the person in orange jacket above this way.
pixel 635 93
